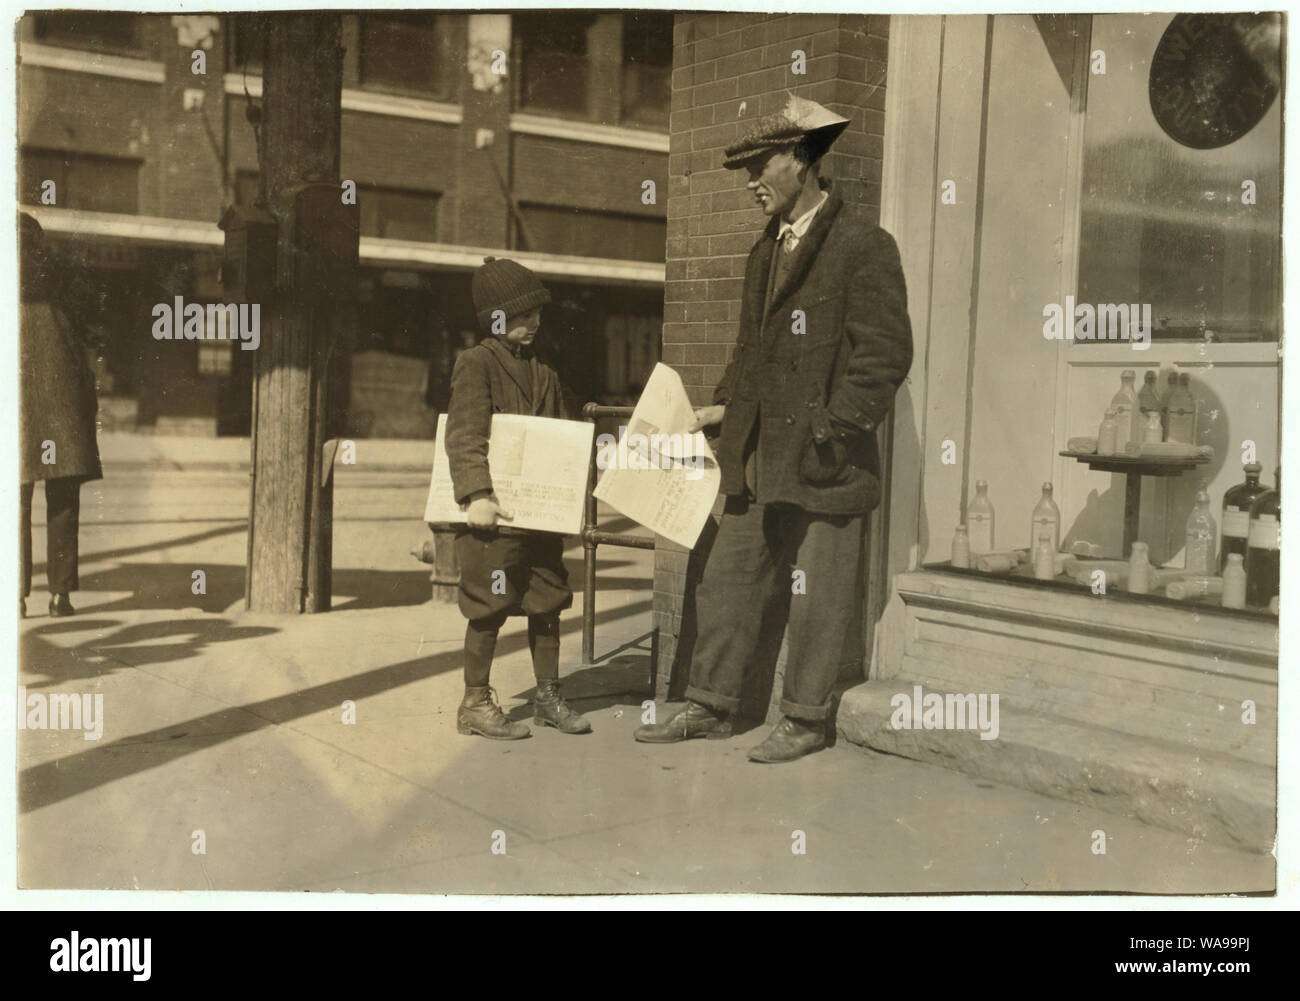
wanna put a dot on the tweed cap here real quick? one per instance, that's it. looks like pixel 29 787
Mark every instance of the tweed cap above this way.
pixel 505 285
pixel 801 121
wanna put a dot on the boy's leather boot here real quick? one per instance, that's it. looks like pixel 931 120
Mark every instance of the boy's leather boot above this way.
pixel 480 713
pixel 549 709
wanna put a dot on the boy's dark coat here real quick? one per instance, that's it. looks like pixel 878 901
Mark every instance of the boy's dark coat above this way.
pixel 482 384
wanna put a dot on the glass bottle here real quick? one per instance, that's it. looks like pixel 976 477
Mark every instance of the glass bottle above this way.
pixel 961 547
pixel 1106 434
pixel 1139 569
pixel 1234 582
pixel 1127 417
pixel 1046 522
pixel 1170 385
pixel 1202 536
pixel 1181 405
pixel 1154 432
pixel 1234 520
pixel 979 520
pixel 1044 560
pixel 1264 546
pixel 1149 406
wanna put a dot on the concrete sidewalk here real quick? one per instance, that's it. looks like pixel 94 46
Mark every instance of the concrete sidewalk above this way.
pixel 124 450
pixel 232 725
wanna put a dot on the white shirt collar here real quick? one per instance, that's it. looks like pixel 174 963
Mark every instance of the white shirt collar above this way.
pixel 800 226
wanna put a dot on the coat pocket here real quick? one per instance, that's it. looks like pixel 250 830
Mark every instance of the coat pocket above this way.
pixel 825 463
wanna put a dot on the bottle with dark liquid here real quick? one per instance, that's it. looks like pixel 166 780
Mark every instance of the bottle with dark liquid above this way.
pixel 1234 523
pixel 1148 404
pixel 1264 546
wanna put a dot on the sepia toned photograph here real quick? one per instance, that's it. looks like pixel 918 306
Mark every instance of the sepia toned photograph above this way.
pixel 620 452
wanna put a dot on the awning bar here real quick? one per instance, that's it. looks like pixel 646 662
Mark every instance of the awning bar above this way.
pixel 374 251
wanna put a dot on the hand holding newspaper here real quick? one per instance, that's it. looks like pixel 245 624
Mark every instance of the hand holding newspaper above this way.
pixel 539 473
pixel 657 472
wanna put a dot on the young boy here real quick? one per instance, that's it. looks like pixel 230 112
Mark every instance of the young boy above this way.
pixel 500 375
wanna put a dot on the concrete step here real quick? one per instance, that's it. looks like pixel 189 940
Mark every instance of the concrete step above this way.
pixel 1209 796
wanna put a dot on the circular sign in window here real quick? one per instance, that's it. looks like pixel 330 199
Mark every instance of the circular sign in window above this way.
pixel 1214 76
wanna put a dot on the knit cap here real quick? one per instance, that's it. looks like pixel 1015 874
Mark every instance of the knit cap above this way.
pixel 505 285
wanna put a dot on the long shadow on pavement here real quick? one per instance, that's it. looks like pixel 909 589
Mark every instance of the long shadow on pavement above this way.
pixel 130 646
pixel 54 781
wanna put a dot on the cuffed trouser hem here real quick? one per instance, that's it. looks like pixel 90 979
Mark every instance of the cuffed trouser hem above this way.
pixel 812 714
pixel 723 703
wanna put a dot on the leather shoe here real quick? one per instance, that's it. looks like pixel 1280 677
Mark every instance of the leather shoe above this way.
pixel 60 605
pixel 696 720
pixel 790 739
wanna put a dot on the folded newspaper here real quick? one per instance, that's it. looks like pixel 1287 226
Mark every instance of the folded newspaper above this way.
pixel 539 473
pixel 654 470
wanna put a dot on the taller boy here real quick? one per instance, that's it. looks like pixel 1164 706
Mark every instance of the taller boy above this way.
pixel 824 343
pixel 505 571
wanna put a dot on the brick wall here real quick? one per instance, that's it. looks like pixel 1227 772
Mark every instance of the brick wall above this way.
pixel 729 70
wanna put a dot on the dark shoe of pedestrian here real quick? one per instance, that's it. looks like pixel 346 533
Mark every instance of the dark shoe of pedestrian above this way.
pixel 480 713
pixel 549 709
pixel 696 720
pixel 790 739
pixel 61 605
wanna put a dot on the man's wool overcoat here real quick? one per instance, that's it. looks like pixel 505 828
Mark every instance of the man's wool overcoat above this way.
pixel 815 378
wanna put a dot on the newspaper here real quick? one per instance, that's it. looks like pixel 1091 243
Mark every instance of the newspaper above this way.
pixel 539 473
pixel 655 471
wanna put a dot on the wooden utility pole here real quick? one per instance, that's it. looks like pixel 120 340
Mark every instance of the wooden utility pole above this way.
pixel 315 268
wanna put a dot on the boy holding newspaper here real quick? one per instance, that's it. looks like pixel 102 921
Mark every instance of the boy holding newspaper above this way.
pixel 505 571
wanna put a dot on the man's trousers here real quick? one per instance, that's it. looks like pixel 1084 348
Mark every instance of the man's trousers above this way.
pixel 62 515
pixel 778 550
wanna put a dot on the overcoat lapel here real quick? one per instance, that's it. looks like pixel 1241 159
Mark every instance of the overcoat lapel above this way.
pixel 755 291
pixel 806 252
pixel 499 353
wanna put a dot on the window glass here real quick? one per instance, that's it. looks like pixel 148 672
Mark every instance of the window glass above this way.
pixel 647 67
pixel 395 214
pixel 247 40
pixel 81 181
pixel 553 64
pixel 582 233
pixel 405 51
pixel 1194 233
pixel 88 30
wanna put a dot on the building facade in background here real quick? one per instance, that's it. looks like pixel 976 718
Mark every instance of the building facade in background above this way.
pixel 544 136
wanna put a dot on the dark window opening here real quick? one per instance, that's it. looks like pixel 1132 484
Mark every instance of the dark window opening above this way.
pixel 647 67
pixel 584 233
pixel 88 30
pixel 387 213
pixel 81 181
pixel 406 52
pixel 397 214
pixel 551 54
pixel 247 42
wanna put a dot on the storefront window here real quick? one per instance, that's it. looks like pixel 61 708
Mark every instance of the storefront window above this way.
pixel 1193 232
